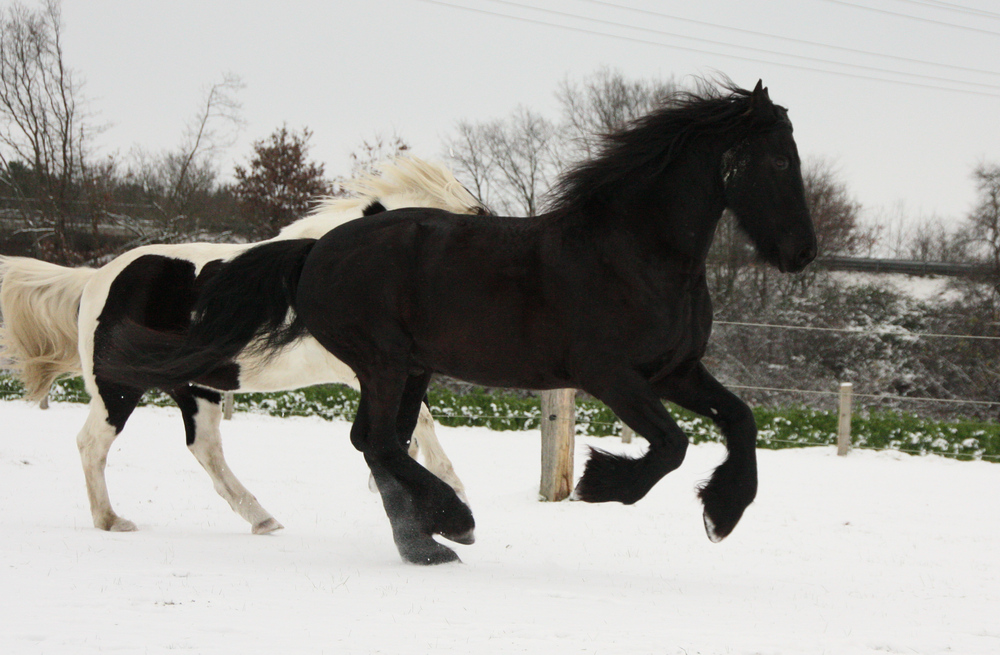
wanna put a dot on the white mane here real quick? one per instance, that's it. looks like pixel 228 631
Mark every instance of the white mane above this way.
pixel 403 182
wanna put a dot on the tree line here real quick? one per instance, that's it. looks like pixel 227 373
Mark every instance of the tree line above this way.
pixel 60 202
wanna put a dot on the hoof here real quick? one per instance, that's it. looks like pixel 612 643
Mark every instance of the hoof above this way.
pixel 713 535
pixel 466 538
pixel 122 525
pixel 448 517
pixel 725 497
pixel 426 553
pixel 267 526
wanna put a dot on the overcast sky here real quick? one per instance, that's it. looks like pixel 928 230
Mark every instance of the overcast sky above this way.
pixel 904 129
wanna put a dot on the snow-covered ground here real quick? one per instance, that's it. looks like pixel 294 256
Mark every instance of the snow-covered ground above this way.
pixel 872 553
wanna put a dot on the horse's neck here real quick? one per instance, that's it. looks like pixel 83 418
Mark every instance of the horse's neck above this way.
pixel 674 216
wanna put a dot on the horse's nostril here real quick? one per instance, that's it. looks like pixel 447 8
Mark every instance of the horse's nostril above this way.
pixel 806 255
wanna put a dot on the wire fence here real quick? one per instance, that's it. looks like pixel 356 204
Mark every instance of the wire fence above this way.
pixel 895 330
pixel 606 423
pixel 873 396
pixel 533 423
pixel 881 397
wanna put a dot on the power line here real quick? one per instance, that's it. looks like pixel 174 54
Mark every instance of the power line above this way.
pixel 820 60
pixel 951 6
pixel 583 30
pixel 792 39
pixel 921 19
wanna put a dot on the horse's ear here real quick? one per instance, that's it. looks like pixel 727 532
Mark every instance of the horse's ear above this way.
pixel 759 99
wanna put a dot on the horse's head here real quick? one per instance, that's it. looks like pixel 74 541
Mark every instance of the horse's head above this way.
pixel 763 187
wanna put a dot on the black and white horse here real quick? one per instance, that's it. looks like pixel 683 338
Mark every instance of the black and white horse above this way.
pixel 60 320
pixel 606 293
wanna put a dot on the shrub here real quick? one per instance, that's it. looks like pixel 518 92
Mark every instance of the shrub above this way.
pixel 787 427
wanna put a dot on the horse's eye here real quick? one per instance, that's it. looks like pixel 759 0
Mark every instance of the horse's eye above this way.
pixel 781 163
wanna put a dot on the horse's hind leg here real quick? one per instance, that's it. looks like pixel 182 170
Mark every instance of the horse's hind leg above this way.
pixel 417 503
pixel 437 462
pixel 425 441
pixel 109 410
pixel 202 412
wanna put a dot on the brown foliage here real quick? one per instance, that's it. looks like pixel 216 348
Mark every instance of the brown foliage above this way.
pixel 279 183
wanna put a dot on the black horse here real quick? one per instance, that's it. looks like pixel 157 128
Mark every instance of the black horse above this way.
pixel 605 293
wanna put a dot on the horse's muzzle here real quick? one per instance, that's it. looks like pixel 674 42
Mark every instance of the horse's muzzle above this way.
pixel 801 259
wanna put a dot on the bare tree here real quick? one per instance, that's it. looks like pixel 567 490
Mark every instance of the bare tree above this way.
pixel 982 227
pixel 604 102
pixel 835 214
pixel 211 130
pixel 371 153
pixel 176 181
pixel 525 152
pixel 469 155
pixel 41 123
pixel 983 224
pixel 511 162
pixel 931 240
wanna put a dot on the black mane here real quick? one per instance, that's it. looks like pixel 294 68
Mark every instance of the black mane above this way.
pixel 647 146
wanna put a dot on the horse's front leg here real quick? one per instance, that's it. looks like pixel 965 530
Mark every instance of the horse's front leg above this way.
pixel 609 477
pixel 733 485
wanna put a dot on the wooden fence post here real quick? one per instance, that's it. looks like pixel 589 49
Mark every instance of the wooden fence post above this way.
pixel 844 419
pixel 558 431
pixel 227 405
pixel 627 434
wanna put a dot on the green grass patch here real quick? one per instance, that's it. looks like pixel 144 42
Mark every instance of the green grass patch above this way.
pixel 788 427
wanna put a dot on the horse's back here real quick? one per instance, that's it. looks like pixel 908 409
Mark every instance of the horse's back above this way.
pixel 461 294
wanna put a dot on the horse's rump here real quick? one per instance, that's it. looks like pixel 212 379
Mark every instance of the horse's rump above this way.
pixel 236 304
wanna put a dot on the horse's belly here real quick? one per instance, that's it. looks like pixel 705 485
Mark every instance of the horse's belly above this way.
pixel 303 364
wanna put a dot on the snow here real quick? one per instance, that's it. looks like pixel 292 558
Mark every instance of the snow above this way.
pixel 925 288
pixel 872 553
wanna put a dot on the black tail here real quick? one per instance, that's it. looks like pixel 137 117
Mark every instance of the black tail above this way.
pixel 243 303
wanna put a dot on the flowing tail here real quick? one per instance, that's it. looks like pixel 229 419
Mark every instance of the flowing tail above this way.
pixel 246 305
pixel 40 303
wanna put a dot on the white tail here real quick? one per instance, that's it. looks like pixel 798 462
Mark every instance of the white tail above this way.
pixel 39 302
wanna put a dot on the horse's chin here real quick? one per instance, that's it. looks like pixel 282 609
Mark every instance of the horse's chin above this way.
pixel 787 264
pixel 772 258
pixel 795 266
